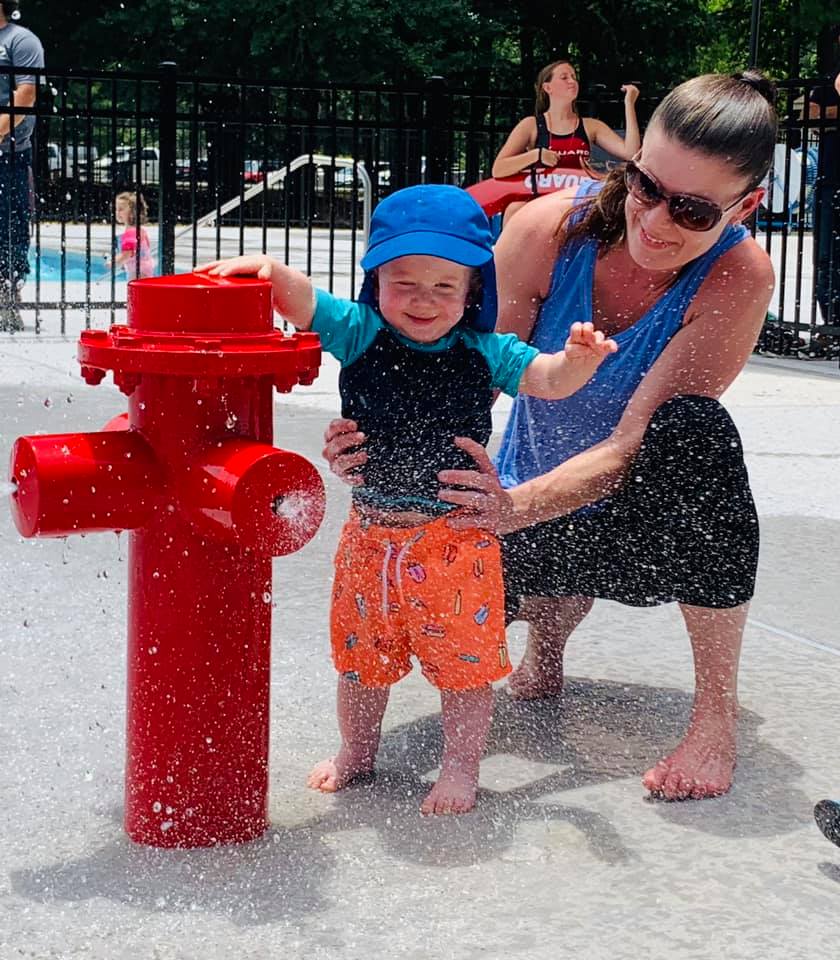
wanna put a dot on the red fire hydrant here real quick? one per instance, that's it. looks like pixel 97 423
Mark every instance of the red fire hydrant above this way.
pixel 192 474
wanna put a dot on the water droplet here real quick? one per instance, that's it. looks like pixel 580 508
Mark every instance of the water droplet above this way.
pixel 48 401
pixel 230 423
pixel 266 597
pixel 157 806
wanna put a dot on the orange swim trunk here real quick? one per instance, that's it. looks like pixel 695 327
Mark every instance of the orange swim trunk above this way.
pixel 427 591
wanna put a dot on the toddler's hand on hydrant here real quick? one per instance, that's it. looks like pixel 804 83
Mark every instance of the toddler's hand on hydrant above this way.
pixel 258 265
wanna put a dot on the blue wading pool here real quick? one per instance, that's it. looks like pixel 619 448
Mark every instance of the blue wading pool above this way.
pixel 75 266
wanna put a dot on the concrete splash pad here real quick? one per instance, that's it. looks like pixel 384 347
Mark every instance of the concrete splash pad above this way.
pixel 564 856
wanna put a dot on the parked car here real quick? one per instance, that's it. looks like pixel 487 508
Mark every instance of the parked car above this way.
pixel 345 177
pixel 253 171
pixel 54 160
pixel 75 161
pixel 120 166
pixel 184 169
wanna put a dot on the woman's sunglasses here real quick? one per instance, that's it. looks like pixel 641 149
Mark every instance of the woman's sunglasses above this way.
pixel 690 213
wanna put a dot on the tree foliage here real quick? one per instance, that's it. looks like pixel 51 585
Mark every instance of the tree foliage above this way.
pixel 471 42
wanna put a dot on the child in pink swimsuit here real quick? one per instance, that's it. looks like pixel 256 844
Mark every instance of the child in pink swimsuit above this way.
pixel 130 209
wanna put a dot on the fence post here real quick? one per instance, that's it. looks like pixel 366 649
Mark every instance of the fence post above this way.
pixel 436 131
pixel 167 188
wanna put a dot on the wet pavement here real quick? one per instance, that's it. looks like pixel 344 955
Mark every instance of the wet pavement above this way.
pixel 564 854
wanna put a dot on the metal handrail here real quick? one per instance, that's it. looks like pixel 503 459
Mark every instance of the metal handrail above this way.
pixel 272 177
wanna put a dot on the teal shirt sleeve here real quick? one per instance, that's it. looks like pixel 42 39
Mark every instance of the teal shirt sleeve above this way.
pixel 346 329
pixel 507 357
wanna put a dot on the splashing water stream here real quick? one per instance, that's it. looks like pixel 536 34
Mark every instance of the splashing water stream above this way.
pixel 293 507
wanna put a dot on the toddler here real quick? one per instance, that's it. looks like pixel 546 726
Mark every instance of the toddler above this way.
pixel 420 363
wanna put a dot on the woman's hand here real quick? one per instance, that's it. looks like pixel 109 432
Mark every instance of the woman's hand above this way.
pixel 631 94
pixel 547 158
pixel 255 265
pixel 342 439
pixel 485 503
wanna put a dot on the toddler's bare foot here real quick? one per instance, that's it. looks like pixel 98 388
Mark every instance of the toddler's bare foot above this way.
pixel 453 793
pixel 339 772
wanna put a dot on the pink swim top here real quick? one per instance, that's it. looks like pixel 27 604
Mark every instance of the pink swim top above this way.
pixel 128 244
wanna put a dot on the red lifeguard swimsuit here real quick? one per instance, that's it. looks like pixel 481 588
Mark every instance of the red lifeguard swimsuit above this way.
pixel 573 149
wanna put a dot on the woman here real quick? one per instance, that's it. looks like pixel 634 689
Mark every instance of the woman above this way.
pixel 635 489
pixel 537 143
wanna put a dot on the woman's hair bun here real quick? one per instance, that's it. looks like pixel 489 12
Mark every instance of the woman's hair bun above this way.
pixel 757 80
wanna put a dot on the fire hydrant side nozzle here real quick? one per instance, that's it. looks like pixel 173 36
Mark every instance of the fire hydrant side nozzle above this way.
pixel 256 495
pixel 192 473
pixel 83 482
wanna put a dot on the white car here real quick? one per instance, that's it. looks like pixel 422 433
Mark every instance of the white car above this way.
pixel 77 156
pixel 120 166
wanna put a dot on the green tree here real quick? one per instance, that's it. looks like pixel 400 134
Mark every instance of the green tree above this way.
pixel 475 43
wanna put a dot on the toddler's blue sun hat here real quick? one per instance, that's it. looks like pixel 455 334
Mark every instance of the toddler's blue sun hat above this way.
pixel 437 220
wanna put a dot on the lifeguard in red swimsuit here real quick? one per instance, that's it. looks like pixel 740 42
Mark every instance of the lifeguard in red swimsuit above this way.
pixel 558 137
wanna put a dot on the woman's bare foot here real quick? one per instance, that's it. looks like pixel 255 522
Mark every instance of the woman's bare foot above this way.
pixel 702 765
pixel 453 793
pixel 550 621
pixel 339 771
pixel 536 678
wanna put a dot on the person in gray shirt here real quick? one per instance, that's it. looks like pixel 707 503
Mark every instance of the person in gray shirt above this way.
pixel 20 52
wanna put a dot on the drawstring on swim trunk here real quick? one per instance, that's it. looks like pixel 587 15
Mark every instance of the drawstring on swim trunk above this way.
pixel 384 577
pixel 399 563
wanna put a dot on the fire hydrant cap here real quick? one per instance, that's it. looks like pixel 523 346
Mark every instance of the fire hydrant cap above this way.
pixel 201 304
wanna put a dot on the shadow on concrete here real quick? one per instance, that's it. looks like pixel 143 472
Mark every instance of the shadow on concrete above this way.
pixel 597 732
pixel 390 806
pixel 600 731
pixel 274 878
pixel 830 870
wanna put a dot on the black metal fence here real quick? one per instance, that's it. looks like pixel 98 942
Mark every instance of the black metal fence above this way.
pixel 227 167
